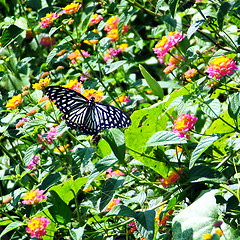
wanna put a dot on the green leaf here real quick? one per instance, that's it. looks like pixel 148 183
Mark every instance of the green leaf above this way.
pixel 145 223
pixel 223 10
pixel 234 106
pixel 153 84
pixel 70 186
pixel 194 27
pixel 202 173
pixel 113 66
pixel 77 233
pixel 197 219
pixel 59 210
pixel 50 180
pixel 202 146
pixel 173 6
pixel 212 108
pixel 11 226
pixel 165 138
pixel 29 154
pixel 121 210
pixel 101 166
pixel 159 4
pixel 115 139
pixel 10 35
pixel 53 53
pixel 108 191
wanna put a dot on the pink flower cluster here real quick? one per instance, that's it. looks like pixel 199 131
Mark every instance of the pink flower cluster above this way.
pixel 111 173
pixel 34 197
pixel 37 227
pixel 49 137
pixel 220 67
pixel 183 124
pixel 33 163
pixel 166 44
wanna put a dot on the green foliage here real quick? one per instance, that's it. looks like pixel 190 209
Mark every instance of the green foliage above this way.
pixel 166 176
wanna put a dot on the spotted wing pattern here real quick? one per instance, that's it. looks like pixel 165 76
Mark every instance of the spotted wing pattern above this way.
pixel 86 115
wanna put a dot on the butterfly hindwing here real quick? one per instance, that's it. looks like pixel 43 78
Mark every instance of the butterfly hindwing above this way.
pixel 86 115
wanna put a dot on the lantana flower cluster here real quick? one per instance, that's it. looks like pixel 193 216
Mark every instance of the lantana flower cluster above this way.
pixel 183 124
pixel 166 44
pixel 36 227
pixel 221 66
pixel 34 197
pixel 111 27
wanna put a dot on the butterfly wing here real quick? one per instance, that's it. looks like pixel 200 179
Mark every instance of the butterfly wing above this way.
pixel 66 99
pixel 72 104
pixel 107 116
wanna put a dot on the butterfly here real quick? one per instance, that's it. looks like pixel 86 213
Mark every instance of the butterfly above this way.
pixel 86 115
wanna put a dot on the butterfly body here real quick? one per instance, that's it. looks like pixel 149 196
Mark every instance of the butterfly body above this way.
pixel 86 115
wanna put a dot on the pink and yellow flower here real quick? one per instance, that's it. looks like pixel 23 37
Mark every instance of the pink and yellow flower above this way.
pixel 112 23
pixel 21 122
pixel 92 93
pixel 14 102
pixel 48 42
pixel 172 177
pixel 166 44
pixel 114 202
pixel 74 56
pixel 111 173
pixel 220 67
pixel 96 18
pixel 71 8
pixel 190 73
pixel 74 85
pixel 49 136
pixel 34 197
pixel 183 124
pixel 48 19
pixel 123 99
pixel 43 82
pixel 37 226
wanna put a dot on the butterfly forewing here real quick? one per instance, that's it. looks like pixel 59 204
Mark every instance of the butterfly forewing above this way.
pixel 81 113
pixel 66 99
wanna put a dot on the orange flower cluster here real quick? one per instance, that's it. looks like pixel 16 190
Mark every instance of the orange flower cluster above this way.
pixel 43 82
pixel 111 27
pixel 92 93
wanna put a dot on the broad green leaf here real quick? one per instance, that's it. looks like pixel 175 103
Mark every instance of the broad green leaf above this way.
pixel 197 219
pixel 165 138
pixel 53 53
pixel 108 191
pixel 115 139
pixel 234 106
pixel 203 173
pixel 223 10
pixel 194 27
pixel 202 146
pixel 70 186
pixel 101 166
pixel 212 108
pixel 12 226
pixel 77 233
pixel 59 210
pixel 30 152
pixel 153 84
pixel 50 180
pixel 145 223
pixel 10 35
pixel 122 210
pixel 113 66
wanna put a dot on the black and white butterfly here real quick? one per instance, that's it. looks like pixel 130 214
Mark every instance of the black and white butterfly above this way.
pixel 86 115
